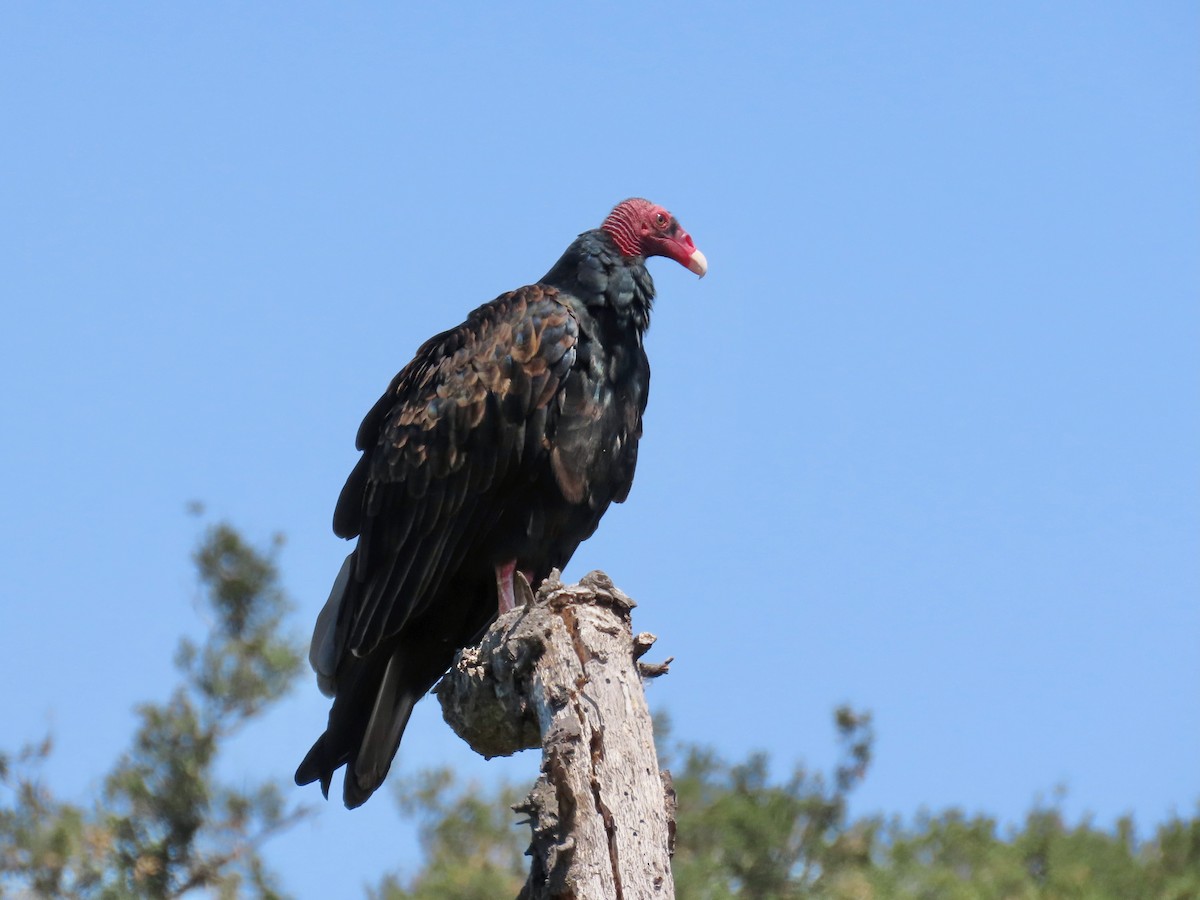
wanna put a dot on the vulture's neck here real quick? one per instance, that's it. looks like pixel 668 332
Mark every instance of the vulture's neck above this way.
pixel 608 283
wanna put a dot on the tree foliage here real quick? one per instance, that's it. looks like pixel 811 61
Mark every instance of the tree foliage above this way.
pixel 474 850
pixel 163 824
pixel 744 834
pixel 741 835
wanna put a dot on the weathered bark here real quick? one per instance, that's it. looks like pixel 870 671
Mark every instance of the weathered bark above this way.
pixel 561 672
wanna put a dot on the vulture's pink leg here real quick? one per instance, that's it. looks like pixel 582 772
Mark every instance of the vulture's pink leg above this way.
pixel 504 586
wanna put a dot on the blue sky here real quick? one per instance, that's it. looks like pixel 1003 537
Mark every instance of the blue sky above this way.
pixel 925 440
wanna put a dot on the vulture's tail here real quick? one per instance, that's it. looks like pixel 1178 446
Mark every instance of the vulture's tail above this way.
pixel 372 699
pixel 366 723
pixel 373 696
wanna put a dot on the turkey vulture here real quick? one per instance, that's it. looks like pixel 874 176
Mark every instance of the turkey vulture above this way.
pixel 496 450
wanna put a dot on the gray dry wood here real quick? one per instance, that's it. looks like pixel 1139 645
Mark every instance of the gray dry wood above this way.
pixel 561 672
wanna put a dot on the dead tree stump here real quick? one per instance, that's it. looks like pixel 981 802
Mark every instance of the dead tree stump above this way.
pixel 561 672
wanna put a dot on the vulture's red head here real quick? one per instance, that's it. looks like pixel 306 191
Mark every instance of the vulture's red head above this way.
pixel 642 228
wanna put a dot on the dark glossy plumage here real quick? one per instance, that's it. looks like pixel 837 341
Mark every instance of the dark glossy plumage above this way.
pixel 503 442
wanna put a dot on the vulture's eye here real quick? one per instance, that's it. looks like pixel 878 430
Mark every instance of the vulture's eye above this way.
pixel 660 220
